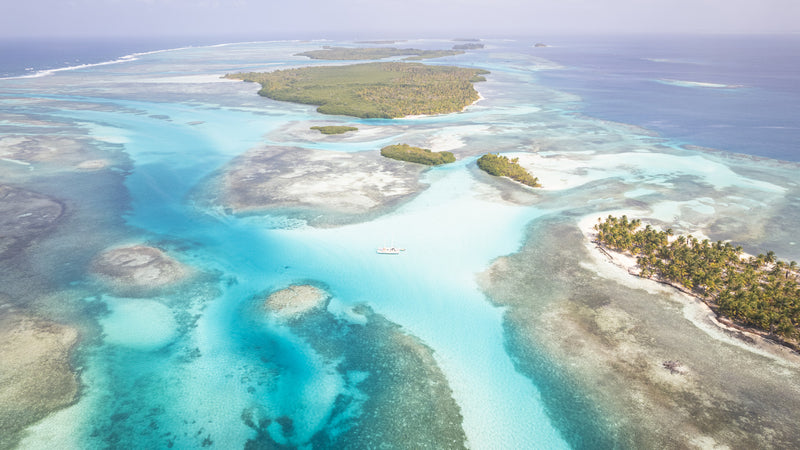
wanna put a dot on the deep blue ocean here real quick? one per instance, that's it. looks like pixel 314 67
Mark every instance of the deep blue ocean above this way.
pixel 618 78
pixel 25 57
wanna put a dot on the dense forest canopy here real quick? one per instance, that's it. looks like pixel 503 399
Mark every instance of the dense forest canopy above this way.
pixel 372 90
pixel 501 166
pixel 334 129
pixel 405 152
pixel 759 291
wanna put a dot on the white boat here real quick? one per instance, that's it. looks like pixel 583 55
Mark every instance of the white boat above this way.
pixel 390 250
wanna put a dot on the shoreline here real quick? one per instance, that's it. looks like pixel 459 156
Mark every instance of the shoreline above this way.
pixel 695 309
pixel 425 116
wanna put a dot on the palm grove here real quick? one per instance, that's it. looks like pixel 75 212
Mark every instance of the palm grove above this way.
pixel 758 291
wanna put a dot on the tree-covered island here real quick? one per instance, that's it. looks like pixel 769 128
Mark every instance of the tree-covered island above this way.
pixel 405 152
pixel 334 129
pixel 353 54
pixel 378 42
pixel 468 46
pixel 758 291
pixel 373 90
pixel 501 166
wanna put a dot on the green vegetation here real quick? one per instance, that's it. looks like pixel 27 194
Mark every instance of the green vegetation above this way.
pixel 760 291
pixel 372 90
pixel 501 166
pixel 405 152
pixel 430 54
pixel 344 53
pixel 334 129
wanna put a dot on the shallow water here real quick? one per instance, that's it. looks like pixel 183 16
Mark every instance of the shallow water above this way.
pixel 202 364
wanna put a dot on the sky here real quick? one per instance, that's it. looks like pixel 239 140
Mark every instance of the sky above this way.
pixel 363 19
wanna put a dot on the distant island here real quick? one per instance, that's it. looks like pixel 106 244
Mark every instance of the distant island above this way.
pixel 469 46
pixel 377 42
pixel 372 90
pixel 349 54
pixel 334 129
pixel 405 152
pixel 755 291
pixel 539 44
pixel 501 166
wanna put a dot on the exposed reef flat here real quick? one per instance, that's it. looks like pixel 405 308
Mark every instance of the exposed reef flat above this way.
pixel 35 373
pixel 93 164
pixel 138 268
pixel 295 300
pixel 652 377
pixel 24 215
pixel 309 184
pixel 57 152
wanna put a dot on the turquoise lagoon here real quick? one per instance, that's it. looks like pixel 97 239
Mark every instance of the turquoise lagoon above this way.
pixel 202 364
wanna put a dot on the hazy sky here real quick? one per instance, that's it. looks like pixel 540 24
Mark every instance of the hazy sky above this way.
pixel 392 18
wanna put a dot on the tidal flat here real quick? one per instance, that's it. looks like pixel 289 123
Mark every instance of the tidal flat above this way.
pixel 320 187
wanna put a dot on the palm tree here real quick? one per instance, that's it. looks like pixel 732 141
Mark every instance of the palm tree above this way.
pixel 770 257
